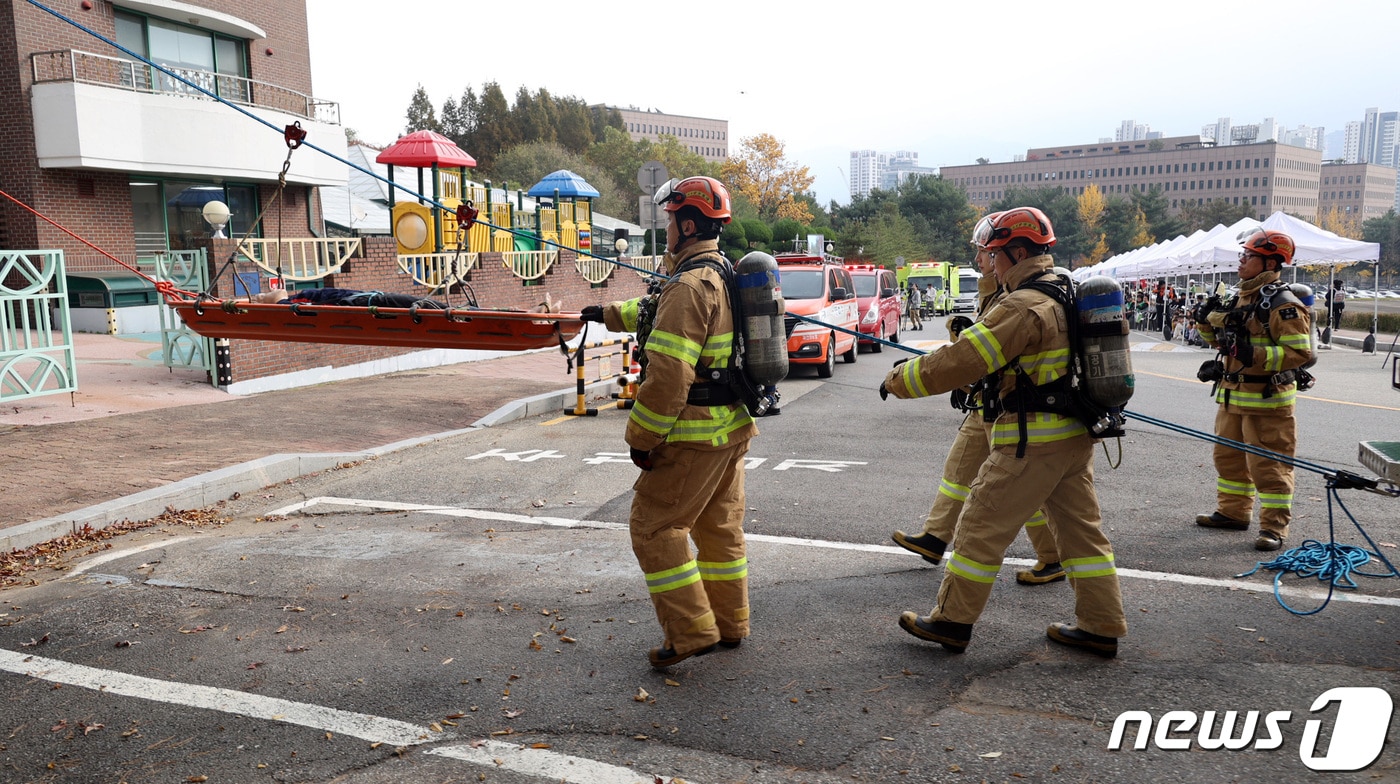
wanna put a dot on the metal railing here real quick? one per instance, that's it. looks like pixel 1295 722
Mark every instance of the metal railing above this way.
pixel 36 338
pixel 438 269
pixel 529 264
pixel 300 258
pixel 72 65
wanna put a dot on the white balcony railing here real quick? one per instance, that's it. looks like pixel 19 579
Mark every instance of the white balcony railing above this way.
pixel 71 65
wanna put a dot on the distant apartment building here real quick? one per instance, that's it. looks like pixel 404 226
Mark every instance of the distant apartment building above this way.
pixel 1351 143
pixel 886 171
pixel 1266 175
pixel 1380 133
pixel 706 137
pixel 1360 190
pixel 1131 131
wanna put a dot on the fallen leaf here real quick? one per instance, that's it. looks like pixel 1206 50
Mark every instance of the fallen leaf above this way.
pixel 297 649
pixel 641 695
pixel 376 744
pixel 329 736
pixel 504 732
pixel 60 726
pixel 1246 629
pixel 435 727
pixel 539 745
pixel 1387 544
pixel 281 629
pixel 448 660
pixel 197 779
pixel 639 737
pixel 256 665
pixel 566 638
pixel 670 682
pixel 90 727
pixel 885 737
pixel 33 642
pixel 955 768
pixel 990 755
pixel 511 714
pixel 535 646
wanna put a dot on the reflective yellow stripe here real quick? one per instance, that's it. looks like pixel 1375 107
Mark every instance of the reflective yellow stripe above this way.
pixel 1231 487
pixel 671 579
pixel 1092 566
pixel 1041 428
pixel 723 421
pixel 724 570
pixel 1045 366
pixel 971 570
pixel 912 380
pixel 1276 500
pixel 986 344
pixel 1299 341
pixel 673 345
pixel 1038 518
pixel 1281 398
pixel 717 350
pixel 628 312
pixel 650 420
pixel 953 490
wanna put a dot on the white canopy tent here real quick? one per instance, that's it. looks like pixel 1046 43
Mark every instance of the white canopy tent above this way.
pixel 1315 246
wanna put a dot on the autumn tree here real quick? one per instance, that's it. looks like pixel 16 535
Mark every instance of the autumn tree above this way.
pixel 1090 206
pixel 1161 223
pixel 1340 223
pixel 763 174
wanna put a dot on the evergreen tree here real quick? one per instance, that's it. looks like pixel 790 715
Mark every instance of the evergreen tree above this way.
pixel 421 115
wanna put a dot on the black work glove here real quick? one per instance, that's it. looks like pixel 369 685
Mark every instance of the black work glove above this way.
pixel 885 393
pixel 641 459
pixel 592 313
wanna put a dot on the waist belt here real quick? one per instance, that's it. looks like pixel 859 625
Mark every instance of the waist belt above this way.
pixel 711 393
pixel 1279 379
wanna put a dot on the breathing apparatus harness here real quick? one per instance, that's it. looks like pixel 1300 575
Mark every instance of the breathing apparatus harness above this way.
pixel 1234 340
pixel 1067 395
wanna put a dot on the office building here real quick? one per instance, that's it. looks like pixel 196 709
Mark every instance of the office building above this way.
pixel 886 171
pixel 1358 190
pixel 706 137
pixel 1266 175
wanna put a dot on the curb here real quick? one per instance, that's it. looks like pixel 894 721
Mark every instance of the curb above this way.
pixel 214 486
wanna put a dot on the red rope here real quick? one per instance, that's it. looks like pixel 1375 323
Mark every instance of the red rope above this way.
pixel 166 288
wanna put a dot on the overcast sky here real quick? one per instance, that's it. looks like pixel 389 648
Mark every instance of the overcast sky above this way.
pixel 950 81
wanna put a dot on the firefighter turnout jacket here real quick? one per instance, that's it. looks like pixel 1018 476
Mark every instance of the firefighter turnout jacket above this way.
pixel 1261 347
pixel 694 326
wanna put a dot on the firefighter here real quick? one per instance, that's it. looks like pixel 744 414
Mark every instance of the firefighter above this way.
pixel 970 449
pixel 688 437
pixel 1264 337
pixel 1040 457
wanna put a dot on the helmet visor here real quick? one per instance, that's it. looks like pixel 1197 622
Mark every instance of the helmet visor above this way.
pixel 667 194
pixel 982 234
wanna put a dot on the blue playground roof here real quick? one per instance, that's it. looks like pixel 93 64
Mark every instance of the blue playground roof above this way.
pixel 567 183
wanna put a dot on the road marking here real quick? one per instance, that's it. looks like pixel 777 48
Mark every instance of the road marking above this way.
pixel 563 522
pixel 115 554
pixel 356 725
pixel 375 729
pixel 544 764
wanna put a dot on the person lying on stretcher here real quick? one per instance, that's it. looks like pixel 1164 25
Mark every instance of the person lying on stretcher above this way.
pixel 382 299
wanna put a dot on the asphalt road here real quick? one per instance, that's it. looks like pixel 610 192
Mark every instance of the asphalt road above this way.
pixel 470 610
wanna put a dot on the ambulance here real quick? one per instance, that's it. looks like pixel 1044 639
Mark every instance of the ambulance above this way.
pixel 819 287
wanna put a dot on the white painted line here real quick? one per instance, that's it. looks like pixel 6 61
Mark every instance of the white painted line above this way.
pixel 356 725
pixel 561 522
pixel 545 764
pixel 115 554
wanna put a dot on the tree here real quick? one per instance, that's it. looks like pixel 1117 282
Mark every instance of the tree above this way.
pixel 785 230
pixel 526 164
pixel 881 239
pixel 1340 223
pixel 1161 223
pixel 939 214
pixel 1125 227
pixel 1208 215
pixel 1386 231
pixel 493 128
pixel 1073 244
pixel 762 173
pixel 757 233
pixel 1090 206
pixel 421 115
pixel 619 158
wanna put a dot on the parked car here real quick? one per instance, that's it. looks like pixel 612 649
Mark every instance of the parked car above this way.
pixel 879 304
pixel 820 288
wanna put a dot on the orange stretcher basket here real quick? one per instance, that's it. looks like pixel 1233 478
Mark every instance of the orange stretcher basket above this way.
pixel 464 328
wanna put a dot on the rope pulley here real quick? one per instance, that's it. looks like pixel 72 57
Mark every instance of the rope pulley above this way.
pixel 466 215
pixel 294 135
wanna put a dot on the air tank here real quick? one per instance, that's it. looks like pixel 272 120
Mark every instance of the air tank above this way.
pixel 1103 336
pixel 761 300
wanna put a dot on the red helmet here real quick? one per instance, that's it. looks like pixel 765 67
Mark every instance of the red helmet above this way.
pixel 704 193
pixel 1270 243
pixel 1026 222
pixel 982 232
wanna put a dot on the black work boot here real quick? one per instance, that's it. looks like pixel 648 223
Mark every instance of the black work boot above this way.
pixel 952 636
pixel 1041 574
pixel 1268 540
pixel 926 545
pixel 661 658
pixel 1075 637
pixel 1218 520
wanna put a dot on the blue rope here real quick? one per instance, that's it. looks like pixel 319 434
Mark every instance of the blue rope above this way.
pixel 1334 563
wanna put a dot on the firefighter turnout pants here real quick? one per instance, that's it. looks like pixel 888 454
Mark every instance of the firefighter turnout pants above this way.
pixel 1058 477
pixel 699 494
pixel 970 449
pixel 1240 476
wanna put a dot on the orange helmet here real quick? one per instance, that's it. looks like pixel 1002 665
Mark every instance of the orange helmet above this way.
pixel 704 193
pixel 982 232
pixel 1270 243
pixel 1025 222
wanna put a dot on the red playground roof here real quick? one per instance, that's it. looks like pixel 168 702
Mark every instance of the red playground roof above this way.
pixel 422 149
